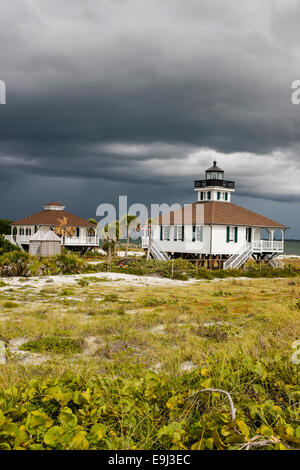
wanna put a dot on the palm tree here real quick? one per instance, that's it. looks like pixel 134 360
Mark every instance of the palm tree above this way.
pixel 63 229
pixel 149 223
pixel 126 225
pixel 111 232
pixel 105 235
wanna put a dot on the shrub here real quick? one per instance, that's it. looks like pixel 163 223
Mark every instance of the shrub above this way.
pixel 218 331
pixel 53 344
pixel 111 298
pixel 6 246
pixel 156 301
pixel 19 263
pixel 66 291
pixel 10 304
pixel 83 282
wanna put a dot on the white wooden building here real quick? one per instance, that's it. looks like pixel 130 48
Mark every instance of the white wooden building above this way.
pixel 215 228
pixel 23 230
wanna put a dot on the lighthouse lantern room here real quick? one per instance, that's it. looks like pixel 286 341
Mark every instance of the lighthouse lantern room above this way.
pixel 214 187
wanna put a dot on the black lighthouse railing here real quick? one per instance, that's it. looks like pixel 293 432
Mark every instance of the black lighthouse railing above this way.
pixel 214 182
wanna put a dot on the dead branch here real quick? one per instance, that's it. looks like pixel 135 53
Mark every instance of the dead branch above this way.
pixel 218 390
pixel 254 443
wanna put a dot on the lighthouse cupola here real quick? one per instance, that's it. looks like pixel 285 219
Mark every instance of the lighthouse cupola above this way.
pixel 214 187
pixel 214 172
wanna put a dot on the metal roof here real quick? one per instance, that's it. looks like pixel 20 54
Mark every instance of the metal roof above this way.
pixel 215 168
pixel 42 235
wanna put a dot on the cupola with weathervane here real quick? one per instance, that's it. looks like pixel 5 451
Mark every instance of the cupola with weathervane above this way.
pixel 214 187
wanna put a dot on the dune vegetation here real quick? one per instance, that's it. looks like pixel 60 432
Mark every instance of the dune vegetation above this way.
pixel 104 364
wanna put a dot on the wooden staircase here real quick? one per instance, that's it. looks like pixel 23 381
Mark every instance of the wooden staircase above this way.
pixel 157 252
pixel 239 258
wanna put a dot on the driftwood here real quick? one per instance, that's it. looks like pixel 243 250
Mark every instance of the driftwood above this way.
pixel 218 390
pixel 254 442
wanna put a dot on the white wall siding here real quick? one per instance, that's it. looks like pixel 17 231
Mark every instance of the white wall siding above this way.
pixel 186 246
pixel 220 246
pixel 214 240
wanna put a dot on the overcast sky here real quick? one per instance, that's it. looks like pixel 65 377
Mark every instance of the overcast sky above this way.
pixel 137 97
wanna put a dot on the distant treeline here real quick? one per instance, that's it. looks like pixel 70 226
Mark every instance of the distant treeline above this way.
pixel 5 226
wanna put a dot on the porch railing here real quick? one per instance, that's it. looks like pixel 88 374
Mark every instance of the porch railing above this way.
pixel 94 241
pixel 268 245
pixel 73 241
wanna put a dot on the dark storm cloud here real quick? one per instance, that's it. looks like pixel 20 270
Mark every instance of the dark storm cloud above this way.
pixel 137 92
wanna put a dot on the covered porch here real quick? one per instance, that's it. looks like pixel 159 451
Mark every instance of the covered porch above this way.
pixel 272 244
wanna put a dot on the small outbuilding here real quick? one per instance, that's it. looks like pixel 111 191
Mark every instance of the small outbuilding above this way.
pixel 45 243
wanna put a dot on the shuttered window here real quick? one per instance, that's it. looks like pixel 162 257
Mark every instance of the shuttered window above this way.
pixel 166 232
pixel 231 234
pixel 180 232
pixel 197 233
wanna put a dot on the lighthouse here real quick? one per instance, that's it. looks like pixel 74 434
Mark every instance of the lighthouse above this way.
pixel 227 234
pixel 214 187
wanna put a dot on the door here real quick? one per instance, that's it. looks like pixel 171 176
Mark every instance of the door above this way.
pixel 249 234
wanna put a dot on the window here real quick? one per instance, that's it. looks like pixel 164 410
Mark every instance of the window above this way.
pixel 21 231
pixel 77 231
pixel 208 195
pixel 166 233
pixel 201 196
pixel 175 233
pixel 197 233
pixel 180 232
pixel 232 234
pixel 226 196
pixel 248 234
pixel 28 231
pixel 218 195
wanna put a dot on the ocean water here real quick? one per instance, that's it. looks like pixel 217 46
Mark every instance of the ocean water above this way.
pixel 292 247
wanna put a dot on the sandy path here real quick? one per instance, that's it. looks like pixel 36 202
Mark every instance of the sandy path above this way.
pixel 43 281
pixel 111 278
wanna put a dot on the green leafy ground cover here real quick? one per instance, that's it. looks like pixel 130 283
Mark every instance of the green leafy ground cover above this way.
pixel 141 353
